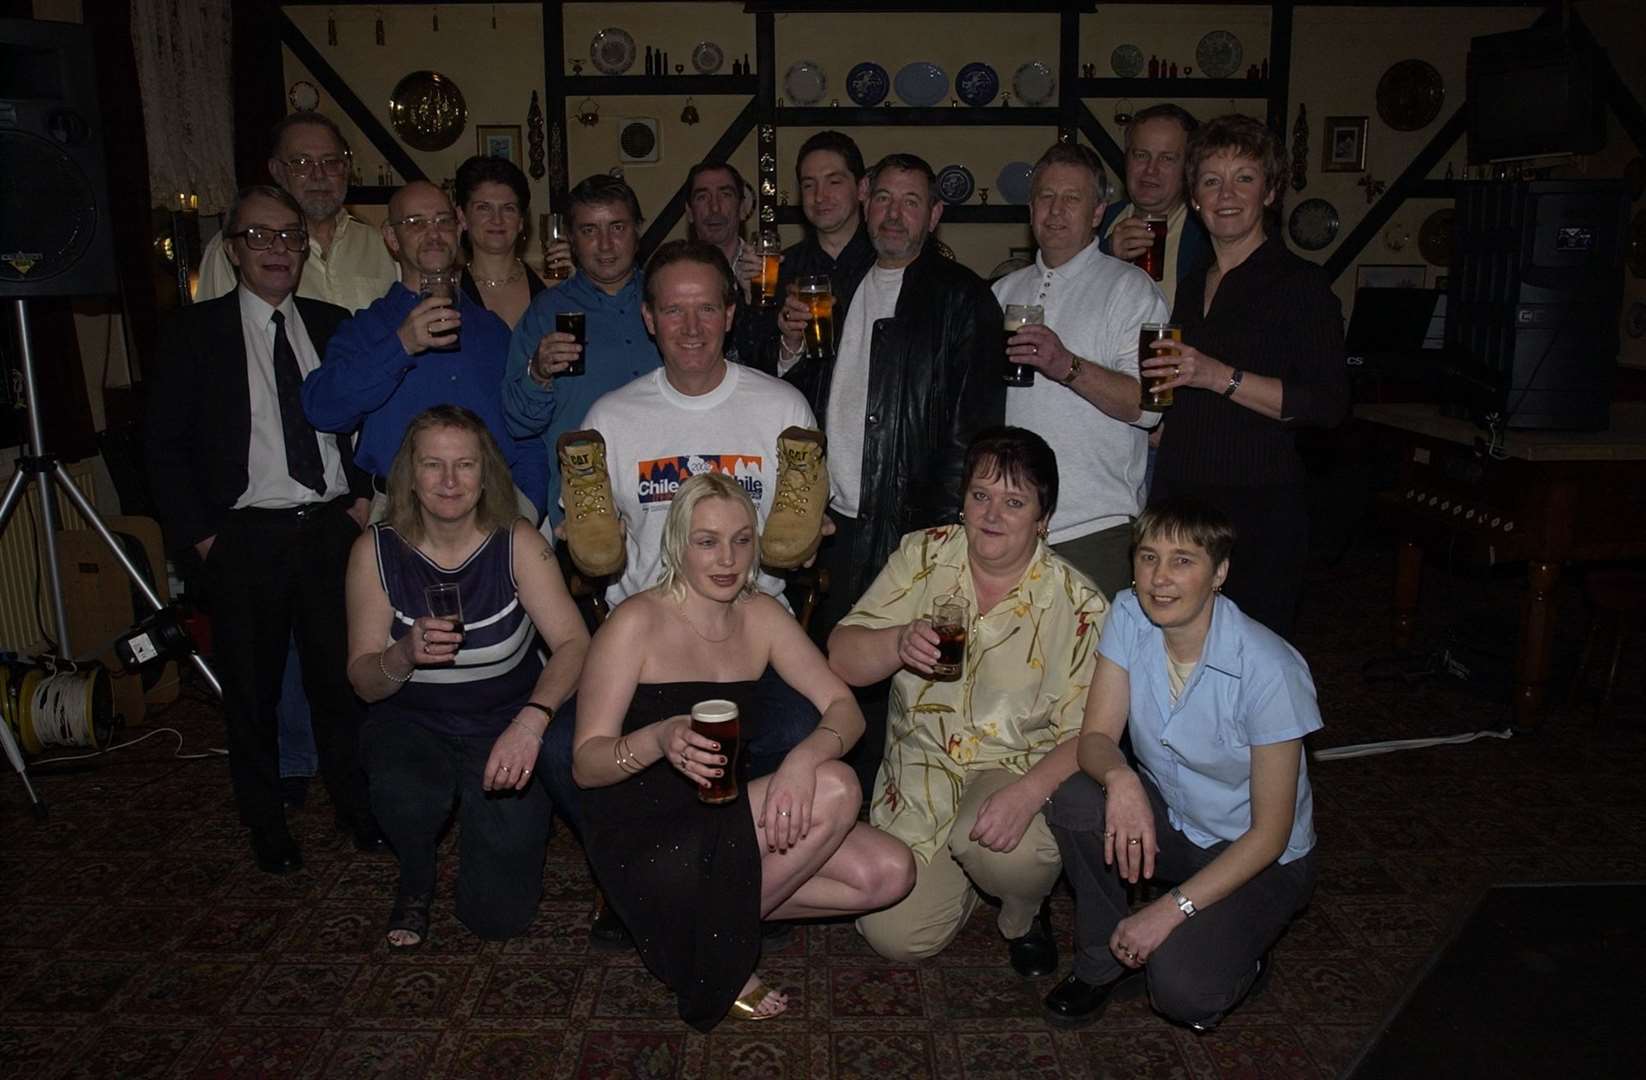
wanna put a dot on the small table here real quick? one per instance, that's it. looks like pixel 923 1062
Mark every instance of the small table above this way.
pixel 1540 497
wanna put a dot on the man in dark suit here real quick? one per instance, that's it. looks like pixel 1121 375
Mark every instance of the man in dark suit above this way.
pixel 267 508
pixel 1156 148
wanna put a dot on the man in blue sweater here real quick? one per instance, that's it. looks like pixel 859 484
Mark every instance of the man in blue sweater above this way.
pixel 539 399
pixel 407 353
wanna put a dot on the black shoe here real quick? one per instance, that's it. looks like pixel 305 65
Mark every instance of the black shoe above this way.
pixel 365 834
pixel 775 933
pixel 1075 1002
pixel 276 851
pixel 294 791
pixel 607 931
pixel 1035 953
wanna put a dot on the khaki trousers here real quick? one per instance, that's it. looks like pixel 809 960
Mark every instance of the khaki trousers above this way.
pixel 946 889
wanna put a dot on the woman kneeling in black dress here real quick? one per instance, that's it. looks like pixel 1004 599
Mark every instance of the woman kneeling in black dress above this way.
pixel 692 881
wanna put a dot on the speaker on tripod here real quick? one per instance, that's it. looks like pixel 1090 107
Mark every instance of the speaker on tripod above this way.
pixel 54 228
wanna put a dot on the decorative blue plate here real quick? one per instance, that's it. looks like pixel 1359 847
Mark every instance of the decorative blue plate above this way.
pixel 1013 182
pixel 921 84
pixel 1034 84
pixel 955 184
pixel 867 84
pixel 977 84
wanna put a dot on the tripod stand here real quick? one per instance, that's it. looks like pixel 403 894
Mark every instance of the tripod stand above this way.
pixel 39 466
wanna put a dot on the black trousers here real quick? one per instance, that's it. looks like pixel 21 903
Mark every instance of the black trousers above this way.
pixel 275 576
pixel 1209 962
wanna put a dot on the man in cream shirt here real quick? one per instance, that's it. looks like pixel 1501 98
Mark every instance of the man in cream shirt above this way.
pixel 348 265
pixel 1085 398
pixel 1156 148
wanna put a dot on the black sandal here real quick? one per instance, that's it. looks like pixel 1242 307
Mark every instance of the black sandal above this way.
pixel 410 914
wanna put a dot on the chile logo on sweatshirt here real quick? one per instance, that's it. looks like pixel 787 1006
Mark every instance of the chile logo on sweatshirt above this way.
pixel 660 478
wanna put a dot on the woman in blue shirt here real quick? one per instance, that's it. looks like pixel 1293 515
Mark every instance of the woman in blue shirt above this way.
pixel 1216 799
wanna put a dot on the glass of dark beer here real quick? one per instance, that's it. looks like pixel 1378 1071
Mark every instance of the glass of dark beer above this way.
pixel 950 617
pixel 717 719
pixel 818 293
pixel 1153 259
pixel 553 227
pixel 575 323
pixel 1017 317
pixel 446 602
pixel 445 284
pixel 770 249
pixel 1155 398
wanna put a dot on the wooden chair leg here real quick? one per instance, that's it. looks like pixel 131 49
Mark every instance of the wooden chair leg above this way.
pixel 1620 634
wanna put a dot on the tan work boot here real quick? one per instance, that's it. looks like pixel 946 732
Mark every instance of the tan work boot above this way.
pixel 593 535
pixel 794 528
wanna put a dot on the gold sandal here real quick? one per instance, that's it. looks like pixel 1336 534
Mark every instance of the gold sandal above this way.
pixel 744 1008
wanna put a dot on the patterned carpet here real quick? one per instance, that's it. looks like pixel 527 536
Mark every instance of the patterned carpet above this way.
pixel 137 939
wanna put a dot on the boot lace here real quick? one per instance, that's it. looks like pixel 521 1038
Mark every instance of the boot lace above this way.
pixel 796 481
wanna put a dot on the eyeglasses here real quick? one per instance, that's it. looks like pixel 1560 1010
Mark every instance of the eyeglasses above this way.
pixel 421 222
pixel 331 166
pixel 261 239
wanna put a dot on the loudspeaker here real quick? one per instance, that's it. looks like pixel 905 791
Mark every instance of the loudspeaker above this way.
pixel 55 237
pixel 1533 300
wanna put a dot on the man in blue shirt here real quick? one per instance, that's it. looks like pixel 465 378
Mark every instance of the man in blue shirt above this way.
pixel 405 354
pixel 539 399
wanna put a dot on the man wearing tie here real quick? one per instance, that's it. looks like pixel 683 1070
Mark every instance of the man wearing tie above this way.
pixel 268 507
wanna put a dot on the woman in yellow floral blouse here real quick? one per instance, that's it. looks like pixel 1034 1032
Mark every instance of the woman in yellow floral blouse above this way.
pixel 970 763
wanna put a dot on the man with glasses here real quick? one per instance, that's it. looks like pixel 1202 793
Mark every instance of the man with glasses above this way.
pixel 408 352
pixel 347 264
pixel 266 507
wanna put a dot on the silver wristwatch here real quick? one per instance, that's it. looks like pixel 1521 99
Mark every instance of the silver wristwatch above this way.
pixel 1184 904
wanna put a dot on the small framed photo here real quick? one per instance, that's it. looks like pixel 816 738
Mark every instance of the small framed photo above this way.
pixel 1345 146
pixel 1391 276
pixel 498 140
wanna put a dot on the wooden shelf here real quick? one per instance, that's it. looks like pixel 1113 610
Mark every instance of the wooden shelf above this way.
pixel 628 85
pixel 369 195
pixel 939 116
pixel 1178 89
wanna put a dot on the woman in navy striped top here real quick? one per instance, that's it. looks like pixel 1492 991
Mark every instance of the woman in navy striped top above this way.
pixel 458 707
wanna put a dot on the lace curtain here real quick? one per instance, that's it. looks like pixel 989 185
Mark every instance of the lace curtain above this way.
pixel 183 49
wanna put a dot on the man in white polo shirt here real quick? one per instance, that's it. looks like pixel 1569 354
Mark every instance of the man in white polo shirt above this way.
pixel 1085 398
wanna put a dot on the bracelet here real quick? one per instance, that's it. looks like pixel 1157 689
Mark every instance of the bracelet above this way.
pixel 1234 383
pixel 836 734
pixel 406 678
pixel 544 709
pixel 528 730
pixel 625 757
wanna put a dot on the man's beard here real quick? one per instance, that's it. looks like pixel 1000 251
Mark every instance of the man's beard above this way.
pixel 318 207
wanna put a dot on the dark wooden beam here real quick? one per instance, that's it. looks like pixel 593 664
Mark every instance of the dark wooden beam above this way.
pixel 1068 74
pixel 347 100
pixel 555 114
pixel 670 215
pixel 629 85
pixel 1280 65
pixel 1407 185
pixel 1107 148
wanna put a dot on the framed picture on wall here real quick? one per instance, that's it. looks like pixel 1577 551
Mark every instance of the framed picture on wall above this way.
pixel 498 140
pixel 1345 144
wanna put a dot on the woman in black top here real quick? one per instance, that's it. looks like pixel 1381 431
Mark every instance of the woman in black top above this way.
pixel 1262 354
pixel 494 206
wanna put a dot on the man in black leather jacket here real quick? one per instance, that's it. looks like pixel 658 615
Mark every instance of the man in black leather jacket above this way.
pixel 917 373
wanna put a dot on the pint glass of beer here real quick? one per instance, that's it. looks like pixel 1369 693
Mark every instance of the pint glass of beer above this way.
pixel 576 324
pixel 1153 258
pixel 717 719
pixel 445 284
pixel 770 249
pixel 1154 398
pixel 1017 317
pixel 818 293
pixel 950 617
pixel 553 227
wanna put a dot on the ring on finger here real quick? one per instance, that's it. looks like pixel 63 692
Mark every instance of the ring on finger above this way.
pixel 1134 841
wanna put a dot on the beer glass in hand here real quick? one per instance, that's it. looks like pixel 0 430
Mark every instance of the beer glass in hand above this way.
pixel 575 323
pixel 446 602
pixel 1155 398
pixel 554 229
pixel 950 617
pixel 446 284
pixel 717 719
pixel 1017 317
pixel 770 250
pixel 818 293
pixel 1153 258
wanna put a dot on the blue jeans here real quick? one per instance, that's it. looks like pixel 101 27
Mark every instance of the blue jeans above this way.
pixel 298 755
pixel 786 719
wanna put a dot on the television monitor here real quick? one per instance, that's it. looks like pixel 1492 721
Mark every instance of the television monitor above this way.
pixel 1533 93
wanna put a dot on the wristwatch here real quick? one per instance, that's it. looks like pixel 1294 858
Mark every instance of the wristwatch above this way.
pixel 1234 383
pixel 1074 371
pixel 1184 904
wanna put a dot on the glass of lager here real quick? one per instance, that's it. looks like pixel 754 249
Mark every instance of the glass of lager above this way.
pixel 1154 398
pixel 446 602
pixel 950 617
pixel 717 719
pixel 553 227
pixel 770 250
pixel 818 294
pixel 1017 317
